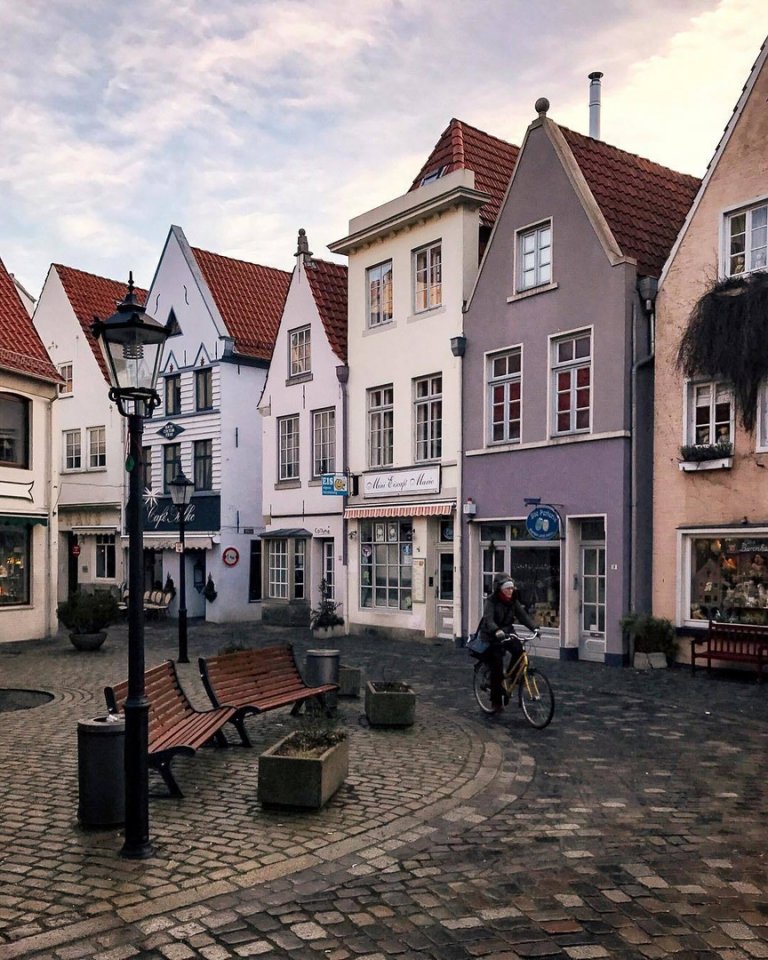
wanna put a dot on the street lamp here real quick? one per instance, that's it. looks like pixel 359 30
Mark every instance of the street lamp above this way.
pixel 181 494
pixel 132 343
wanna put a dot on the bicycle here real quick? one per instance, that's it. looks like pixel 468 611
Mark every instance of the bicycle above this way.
pixel 535 695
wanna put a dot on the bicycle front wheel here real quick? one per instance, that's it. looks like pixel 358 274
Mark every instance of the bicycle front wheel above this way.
pixel 482 686
pixel 537 701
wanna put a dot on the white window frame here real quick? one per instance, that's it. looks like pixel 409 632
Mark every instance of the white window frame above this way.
pixel 428 417
pixel 379 305
pixel 533 256
pixel 716 389
pixel 277 569
pixel 509 381
pixel 97 448
pixel 572 368
pixel 428 277
pixel 300 352
pixel 323 442
pixel 72 450
pixel 105 556
pixel 288 466
pixel 66 372
pixel 380 403
pixel 755 253
pixel 329 567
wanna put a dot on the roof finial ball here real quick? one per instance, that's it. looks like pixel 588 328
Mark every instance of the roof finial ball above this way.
pixel 541 106
pixel 303 246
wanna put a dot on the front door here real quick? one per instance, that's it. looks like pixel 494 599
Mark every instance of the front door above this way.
pixel 592 602
pixel 444 595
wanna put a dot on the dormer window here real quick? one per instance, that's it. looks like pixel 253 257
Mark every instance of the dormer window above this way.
pixel 433 175
pixel 747 233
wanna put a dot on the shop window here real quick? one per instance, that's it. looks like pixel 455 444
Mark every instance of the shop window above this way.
pixel 105 556
pixel 299 568
pixel 729 579
pixel 14 431
pixel 534 566
pixel 386 564
pixel 14 565
pixel 277 570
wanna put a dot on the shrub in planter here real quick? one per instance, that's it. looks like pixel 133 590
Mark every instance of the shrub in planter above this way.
pixel 651 634
pixel 88 615
pixel 324 615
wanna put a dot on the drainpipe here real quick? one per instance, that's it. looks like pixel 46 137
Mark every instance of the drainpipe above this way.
pixel 342 375
pixel 52 592
pixel 458 349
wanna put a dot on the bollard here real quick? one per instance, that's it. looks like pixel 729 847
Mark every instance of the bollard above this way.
pixel 101 772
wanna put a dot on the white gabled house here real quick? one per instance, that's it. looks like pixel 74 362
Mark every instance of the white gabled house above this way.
pixel 304 422
pixel 224 315
pixel 28 475
pixel 89 445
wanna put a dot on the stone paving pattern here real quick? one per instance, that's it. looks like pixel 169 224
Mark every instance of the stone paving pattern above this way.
pixel 632 827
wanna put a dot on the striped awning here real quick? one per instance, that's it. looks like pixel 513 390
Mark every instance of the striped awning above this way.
pixel 444 509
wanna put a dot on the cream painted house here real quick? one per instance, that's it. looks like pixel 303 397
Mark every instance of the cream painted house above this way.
pixel 412 263
pixel 711 515
pixel 28 475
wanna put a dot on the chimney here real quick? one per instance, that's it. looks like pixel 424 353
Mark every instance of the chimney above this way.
pixel 594 104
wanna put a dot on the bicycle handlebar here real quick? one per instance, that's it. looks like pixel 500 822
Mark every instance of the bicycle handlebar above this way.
pixel 523 639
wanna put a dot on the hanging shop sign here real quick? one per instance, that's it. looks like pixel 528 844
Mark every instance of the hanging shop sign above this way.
pixel 335 485
pixel 543 523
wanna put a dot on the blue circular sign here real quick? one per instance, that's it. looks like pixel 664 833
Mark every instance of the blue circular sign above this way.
pixel 543 523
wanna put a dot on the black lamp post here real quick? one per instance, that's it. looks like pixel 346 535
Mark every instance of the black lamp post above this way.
pixel 132 343
pixel 181 494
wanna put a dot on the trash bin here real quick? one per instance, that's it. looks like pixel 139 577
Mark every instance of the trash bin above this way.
pixel 322 666
pixel 101 771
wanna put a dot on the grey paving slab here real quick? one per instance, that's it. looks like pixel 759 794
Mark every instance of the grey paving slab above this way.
pixel 632 826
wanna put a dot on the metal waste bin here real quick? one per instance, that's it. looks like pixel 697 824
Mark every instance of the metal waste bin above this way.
pixel 322 666
pixel 101 771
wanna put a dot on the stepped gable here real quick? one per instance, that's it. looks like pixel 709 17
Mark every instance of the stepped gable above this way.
pixel 21 349
pixel 644 203
pixel 328 283
pixel 250 299
pixel 463 147
pixel 91 296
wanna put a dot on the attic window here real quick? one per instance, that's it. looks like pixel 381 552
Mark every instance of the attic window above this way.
pixel 173 325
pixel 433 175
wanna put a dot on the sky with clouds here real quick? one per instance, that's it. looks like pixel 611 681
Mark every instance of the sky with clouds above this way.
pixel 243 120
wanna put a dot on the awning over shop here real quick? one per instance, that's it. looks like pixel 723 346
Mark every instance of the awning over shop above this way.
pixel 401 510
pixel 166 543
pixel 22 520
pixel 94 530
pixel 287 533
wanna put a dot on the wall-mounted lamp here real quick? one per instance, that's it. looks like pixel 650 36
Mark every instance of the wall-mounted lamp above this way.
pixel 458 346
pixel 469 508
pixel 352 534
pixel 342 373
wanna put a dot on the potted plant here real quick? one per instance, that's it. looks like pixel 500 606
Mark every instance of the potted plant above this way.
pixel 389 703
pixel 86 616
pixel 305 768
pixel 706 456
pixel 653 639
pixel 324 619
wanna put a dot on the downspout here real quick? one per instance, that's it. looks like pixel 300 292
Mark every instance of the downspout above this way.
pixel 342 375
pixel 458 349
pixel 53 561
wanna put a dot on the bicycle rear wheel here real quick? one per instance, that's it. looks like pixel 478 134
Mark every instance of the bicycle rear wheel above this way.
pixel 537 701
pixel 482 686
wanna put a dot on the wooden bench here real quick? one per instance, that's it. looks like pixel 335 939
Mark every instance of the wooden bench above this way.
pixel 732 642
pixel 255 681
pixel 175 726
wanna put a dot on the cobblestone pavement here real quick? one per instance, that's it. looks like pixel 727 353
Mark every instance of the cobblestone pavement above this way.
pixel 633 826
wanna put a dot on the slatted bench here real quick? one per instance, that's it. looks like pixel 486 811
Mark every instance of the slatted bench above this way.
pixel 258 680
pixel 175 726
pixel 732 642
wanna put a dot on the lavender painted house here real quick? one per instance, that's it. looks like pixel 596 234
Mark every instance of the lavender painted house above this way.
pixel 557 396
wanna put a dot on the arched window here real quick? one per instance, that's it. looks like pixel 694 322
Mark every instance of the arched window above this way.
pixel 14 431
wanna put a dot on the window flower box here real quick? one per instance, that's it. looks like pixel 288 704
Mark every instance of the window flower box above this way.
pixel 709 456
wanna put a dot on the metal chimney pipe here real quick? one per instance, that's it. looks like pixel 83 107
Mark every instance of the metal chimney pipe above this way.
pixel 594 104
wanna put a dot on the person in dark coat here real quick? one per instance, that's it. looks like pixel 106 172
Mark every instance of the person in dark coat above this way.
pixel 502 608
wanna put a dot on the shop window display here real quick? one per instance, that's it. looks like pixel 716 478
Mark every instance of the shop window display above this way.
pixel 14 566
pixel 386 564
pixel 729 579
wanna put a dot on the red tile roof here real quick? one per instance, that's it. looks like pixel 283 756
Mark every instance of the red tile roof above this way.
pixel 21 348
pixel 91 296
pixel 644 203
pixel 462 147
pixel 328 283
pixel 250 299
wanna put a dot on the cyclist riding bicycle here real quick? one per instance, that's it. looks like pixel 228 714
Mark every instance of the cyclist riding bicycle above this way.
pixel 502 608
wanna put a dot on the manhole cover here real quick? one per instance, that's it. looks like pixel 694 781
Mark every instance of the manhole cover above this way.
pixel 23 699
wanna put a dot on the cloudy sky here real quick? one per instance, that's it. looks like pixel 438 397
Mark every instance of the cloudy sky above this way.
pixel 243 120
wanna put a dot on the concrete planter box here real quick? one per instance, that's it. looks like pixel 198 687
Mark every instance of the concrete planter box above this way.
pixel 301 781
pixel 389 704
pixel 350 681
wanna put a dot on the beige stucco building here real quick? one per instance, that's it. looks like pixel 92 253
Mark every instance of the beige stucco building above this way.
pixel 711 515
